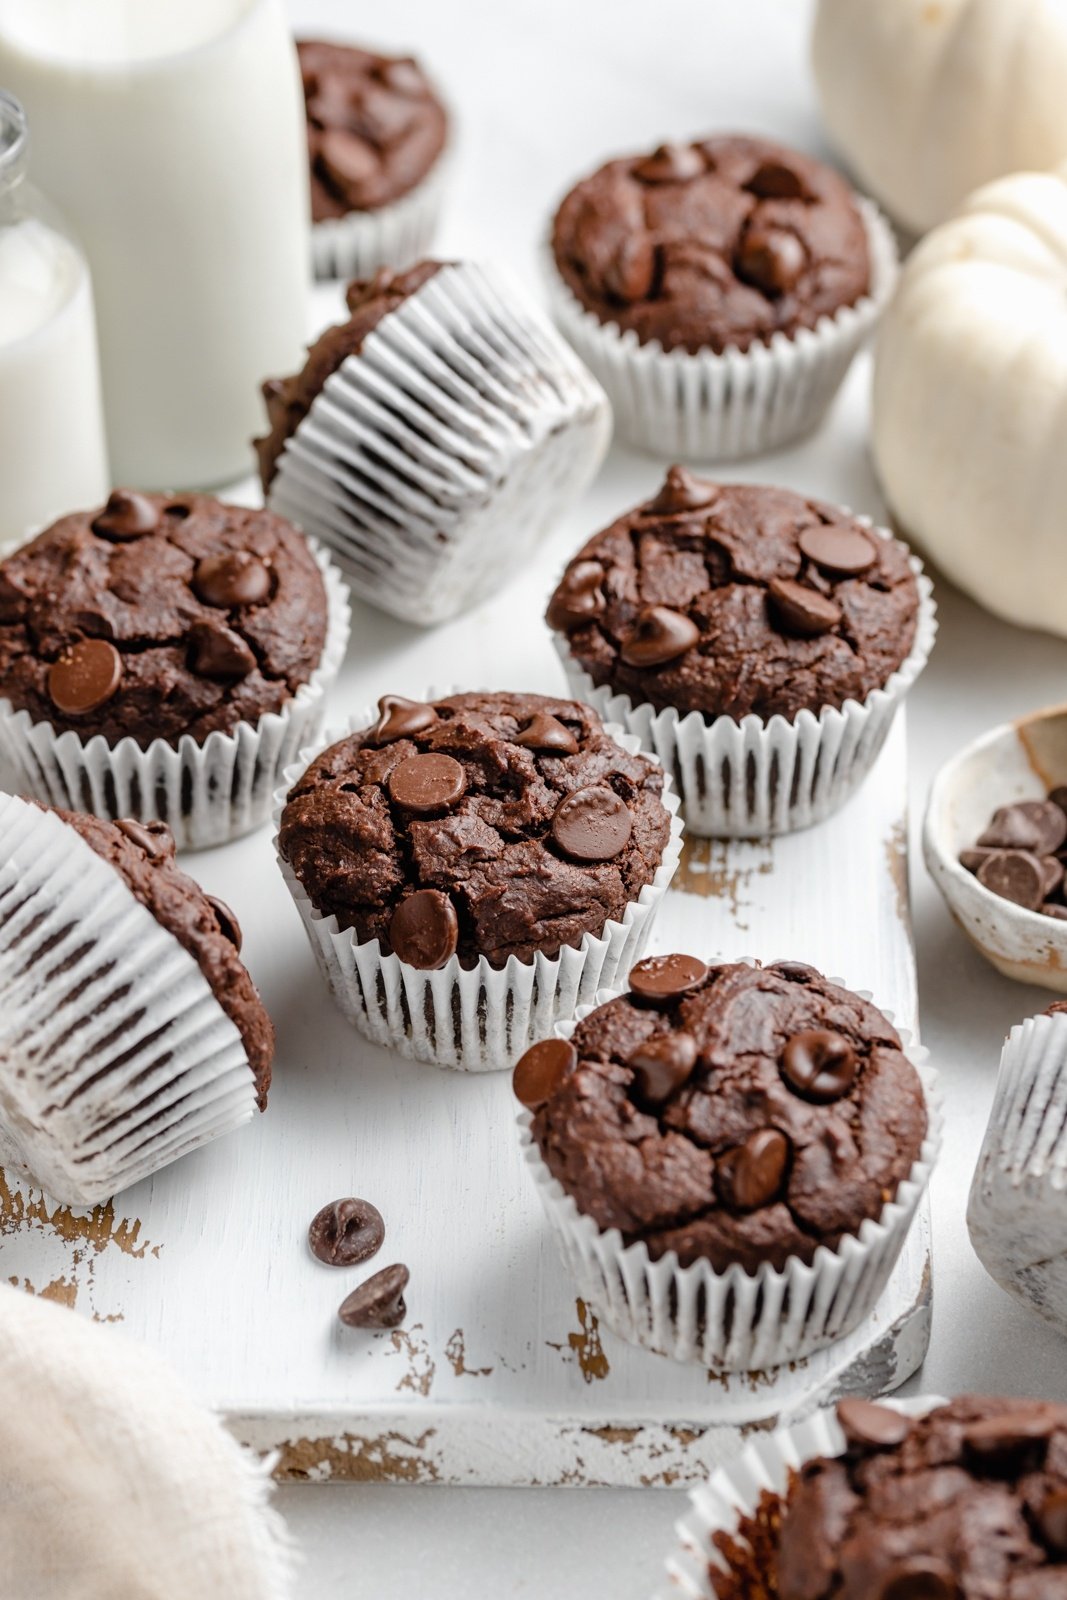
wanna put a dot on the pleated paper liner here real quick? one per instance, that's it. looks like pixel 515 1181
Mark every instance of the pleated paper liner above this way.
pixel 751 779
pixel 115 1056
pixel 434 461
pixel 478 1019
pixel 396 235
pixel 710 407
pixel 207 792
pixel 734 1321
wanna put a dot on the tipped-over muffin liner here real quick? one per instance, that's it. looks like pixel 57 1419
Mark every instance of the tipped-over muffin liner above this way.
pixel 734 1321
pixel 1018 1203
pixel 733 1493
pixel 711 407
pixel 395 235
pixel 208 792
pixel 478 1019
pixel 752 778
pixel 116 1057
pixel 434 461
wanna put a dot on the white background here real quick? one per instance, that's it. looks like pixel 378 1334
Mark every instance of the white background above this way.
pixel 544 90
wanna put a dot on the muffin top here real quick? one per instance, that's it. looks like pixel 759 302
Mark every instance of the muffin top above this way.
pixel 290 399
pixel 491 825
pixel 966 1503
pixel 726 600
pixel 375 127
pixel 717 244
pixel 142 853
pixel 738 1114
pixel 156 616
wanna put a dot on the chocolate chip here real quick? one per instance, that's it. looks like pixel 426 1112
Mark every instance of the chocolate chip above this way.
pixel 997 1441
pixel 126 516
pixel 972 859
pixel 424 930
pixel 751 1175
pixel 631 271
pixel 682 491
pixel 229 926
pixel 546 733
pixel 85 677
pixel 1058 913
pixel 541 1070
pixel 1037 825
pixel 671 163
pixel 1052 1521
pixel 154 838
pixel 920 1578
pixel 348 159
pixel 661 979
pixel 1014 875
pixel 801 610
pixel 592 824
pixel 661 1065
pixel 1058 797
pixel 872 1426
pixel 215 651
pixel 403 76
pixel 578 597
pixel 235 579
pixel 1053 870
pixel 773 181
pixel 658 635
pixel 819 1065
pixel 346 1232
pixel 838 550
pixel 400 719
pixel 425 783
pixel 795 971
pixel 378 1303
pixel 772 259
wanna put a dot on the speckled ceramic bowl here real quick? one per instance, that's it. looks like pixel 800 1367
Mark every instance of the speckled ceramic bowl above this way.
pixel 1022 760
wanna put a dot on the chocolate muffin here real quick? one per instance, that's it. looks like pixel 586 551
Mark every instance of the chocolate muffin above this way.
pixel 730 600
pixel 158 617
pixel 481 825
pixel 966 1503
pixel 375 127
pixel 739 1115
pixel 713 245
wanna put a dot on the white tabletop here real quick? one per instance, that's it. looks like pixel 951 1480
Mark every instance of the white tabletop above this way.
pixel 545 89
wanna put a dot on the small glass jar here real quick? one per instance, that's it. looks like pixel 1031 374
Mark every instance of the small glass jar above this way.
pixel 52 452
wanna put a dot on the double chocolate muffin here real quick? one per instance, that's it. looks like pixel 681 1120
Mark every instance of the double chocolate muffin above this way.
pixel 730 600
pixel 481 825
pixel 966 1503
pixel 740 1115
pixel 157 617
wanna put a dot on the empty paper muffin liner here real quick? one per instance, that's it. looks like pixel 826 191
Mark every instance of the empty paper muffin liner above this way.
pixel 752 778
pixel 1018 1204
pixel 208 793
pixel 733 1321
pixel 115 1056
pixel 478 1019
pixel 710 407
pixel 396 235
pixel 733 1493
pixel 433 462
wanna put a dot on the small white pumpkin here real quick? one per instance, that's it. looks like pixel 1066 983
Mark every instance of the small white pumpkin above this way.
pixel 970 399
pixel 928 99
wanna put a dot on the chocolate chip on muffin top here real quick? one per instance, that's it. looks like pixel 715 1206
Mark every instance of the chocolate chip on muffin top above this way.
pixel 726 599
pixel 716 244
pixel 375 127
pixel 157 616
pixel 490 825
pixel 737 1114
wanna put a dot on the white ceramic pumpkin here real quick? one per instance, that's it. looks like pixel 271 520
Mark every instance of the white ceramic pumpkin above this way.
pixel 928 99
pixel 970 399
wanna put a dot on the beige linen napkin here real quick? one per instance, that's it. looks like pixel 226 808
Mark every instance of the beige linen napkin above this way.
pixel 114 1483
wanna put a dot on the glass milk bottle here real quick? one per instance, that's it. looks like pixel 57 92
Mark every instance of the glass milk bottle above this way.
pixel 52 456
pixel 172 133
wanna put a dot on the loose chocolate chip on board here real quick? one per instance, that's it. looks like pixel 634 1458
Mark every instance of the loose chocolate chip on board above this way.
pixel 819 1065
pixel 661 979
pixel 682 491
pixel 661 1065
pixel 429 782
pixel 215 651
pixel 1052 1521
pixel 346 1232
pixel 378 1303
pixel 873 1426
pixel 126 516
pixel 235 579
pixel 154 838
pixel 658 635
pixel 424 930
pixel 838 550
pixel 771 258
pixel 592 824
pixel 541 1070
pixel 801 610
pixel 578 597
pixel 751 1175
pixel 671 163
pixel 85 677
pixel 920 1578
pixel 400 719
pixel 547 734
pixel 228 923
pixel 1014 875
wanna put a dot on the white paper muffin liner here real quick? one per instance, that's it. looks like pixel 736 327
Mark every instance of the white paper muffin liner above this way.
pixel 711 407
pixel 1017 1212
pixel 733 1321
pixel 396 235
pixel 207 792
pixel 733 1493
pixel 750 779
pixel 434 460
pixel 483 1018
pixel 115 1056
